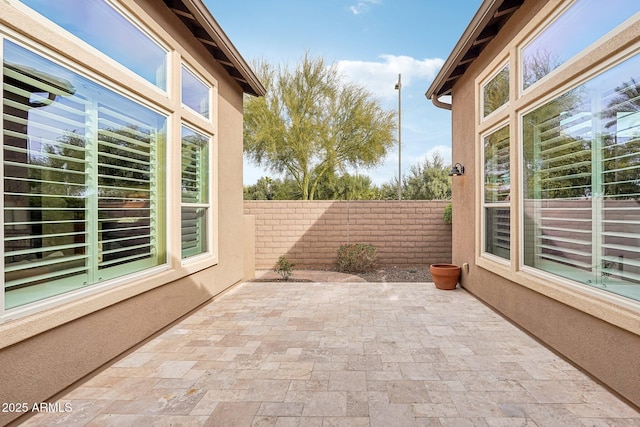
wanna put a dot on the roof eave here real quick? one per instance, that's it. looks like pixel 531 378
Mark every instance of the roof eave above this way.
pixel 484 26
pixel 216 41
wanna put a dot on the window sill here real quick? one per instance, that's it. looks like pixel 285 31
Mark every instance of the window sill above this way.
pixel 615 309
pixel 25 322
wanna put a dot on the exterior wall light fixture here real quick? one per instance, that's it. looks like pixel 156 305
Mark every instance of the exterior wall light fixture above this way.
pixel 457 170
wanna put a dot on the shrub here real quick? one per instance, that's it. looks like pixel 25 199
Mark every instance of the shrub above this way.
pixel 284 267
pixel 357 257
pixel 447 216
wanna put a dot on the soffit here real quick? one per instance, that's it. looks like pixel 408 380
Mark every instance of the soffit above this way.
pixel 484 27
pixel 197 18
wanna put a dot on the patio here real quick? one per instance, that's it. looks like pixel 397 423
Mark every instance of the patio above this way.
pixel 341 354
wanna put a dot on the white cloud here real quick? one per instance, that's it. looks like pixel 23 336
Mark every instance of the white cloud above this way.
pixel 362 6
pixel 380 77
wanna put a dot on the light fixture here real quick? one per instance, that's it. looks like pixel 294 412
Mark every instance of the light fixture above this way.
pixel 457 170
pixel 398 87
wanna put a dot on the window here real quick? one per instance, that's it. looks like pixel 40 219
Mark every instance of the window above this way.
pixel 578 27
pixel 195 94
pixel 495 93
pixel 195 192
pixel 103 27
pixel 497 188
pixel 82 193
pixel 581 194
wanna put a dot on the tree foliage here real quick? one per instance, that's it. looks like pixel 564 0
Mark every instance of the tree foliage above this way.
pixel 312 124
pixel 428 180
pixel 348 187
pixel 267 188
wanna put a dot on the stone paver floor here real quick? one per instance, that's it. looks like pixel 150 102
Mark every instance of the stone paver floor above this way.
pixel 342 354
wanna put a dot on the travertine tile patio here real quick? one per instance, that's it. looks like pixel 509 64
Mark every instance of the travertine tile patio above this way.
pixel 342 354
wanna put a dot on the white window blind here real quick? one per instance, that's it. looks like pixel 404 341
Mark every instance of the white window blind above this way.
pixel 195 192
pixel 582 183
pixel 80 172
pixel 497 190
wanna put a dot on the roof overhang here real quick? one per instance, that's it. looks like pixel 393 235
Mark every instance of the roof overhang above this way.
pixel 198 19
pixel 484 27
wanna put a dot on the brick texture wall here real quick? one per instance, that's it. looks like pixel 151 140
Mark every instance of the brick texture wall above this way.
pixel 308 233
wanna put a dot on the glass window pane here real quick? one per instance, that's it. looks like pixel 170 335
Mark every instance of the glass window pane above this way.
pixel 103 27
pixel 195 94
pixel 497 171
pixel 581 192
pixel 194 231
pixel 498 231
pixel 497 187
pixel 195 166
pixel 495 93
pixel 577 28
pixel 195 191
pixel 80 161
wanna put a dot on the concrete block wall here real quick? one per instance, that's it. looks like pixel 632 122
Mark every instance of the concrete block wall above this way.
pixel 309 233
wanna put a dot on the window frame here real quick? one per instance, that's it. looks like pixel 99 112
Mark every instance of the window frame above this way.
pixel 210 251
pixel 163 233
pixel 588 63
pixel 556 14
pixel 134 20
pixel 50 41
pixel 597 202
pixel 494 205
pixel 504 65
pixel 210 90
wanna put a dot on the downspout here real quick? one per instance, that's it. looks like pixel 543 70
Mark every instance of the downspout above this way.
pixel 440 104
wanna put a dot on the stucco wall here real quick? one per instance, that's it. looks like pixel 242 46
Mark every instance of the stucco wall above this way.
pixel 409 233
pixel 44 353
pixel 605 351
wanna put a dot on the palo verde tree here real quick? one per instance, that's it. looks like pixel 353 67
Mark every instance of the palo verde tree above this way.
pixel 312 124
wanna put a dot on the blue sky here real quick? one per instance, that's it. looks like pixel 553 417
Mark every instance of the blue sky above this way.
pixel 371 41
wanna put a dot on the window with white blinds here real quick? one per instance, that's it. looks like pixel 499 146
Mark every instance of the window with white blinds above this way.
pixel 81 180
pixel 195 192
pixel 497 193
pixel 582 183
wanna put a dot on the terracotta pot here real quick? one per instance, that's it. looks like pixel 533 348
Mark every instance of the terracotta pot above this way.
pixel 445 276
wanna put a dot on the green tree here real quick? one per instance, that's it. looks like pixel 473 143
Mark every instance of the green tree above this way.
pixel 267 188
pixel 347 187
pixel 428 180
pixel 312 123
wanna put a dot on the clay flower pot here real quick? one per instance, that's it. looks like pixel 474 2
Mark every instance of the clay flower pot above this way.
pixel 445 276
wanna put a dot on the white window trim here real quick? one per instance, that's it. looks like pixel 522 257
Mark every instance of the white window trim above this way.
pixel 483 205
pixel 612 308
pixel 78 294
pixel 210 256
pixel 600 294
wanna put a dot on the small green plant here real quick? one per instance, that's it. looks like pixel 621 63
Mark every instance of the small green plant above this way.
pixel 284 267
pixel 357 257
pixel 447 216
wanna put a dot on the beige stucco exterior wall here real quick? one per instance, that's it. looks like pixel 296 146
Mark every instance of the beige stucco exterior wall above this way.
pixel 44 353
pixel 308 233
pixel 581 329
